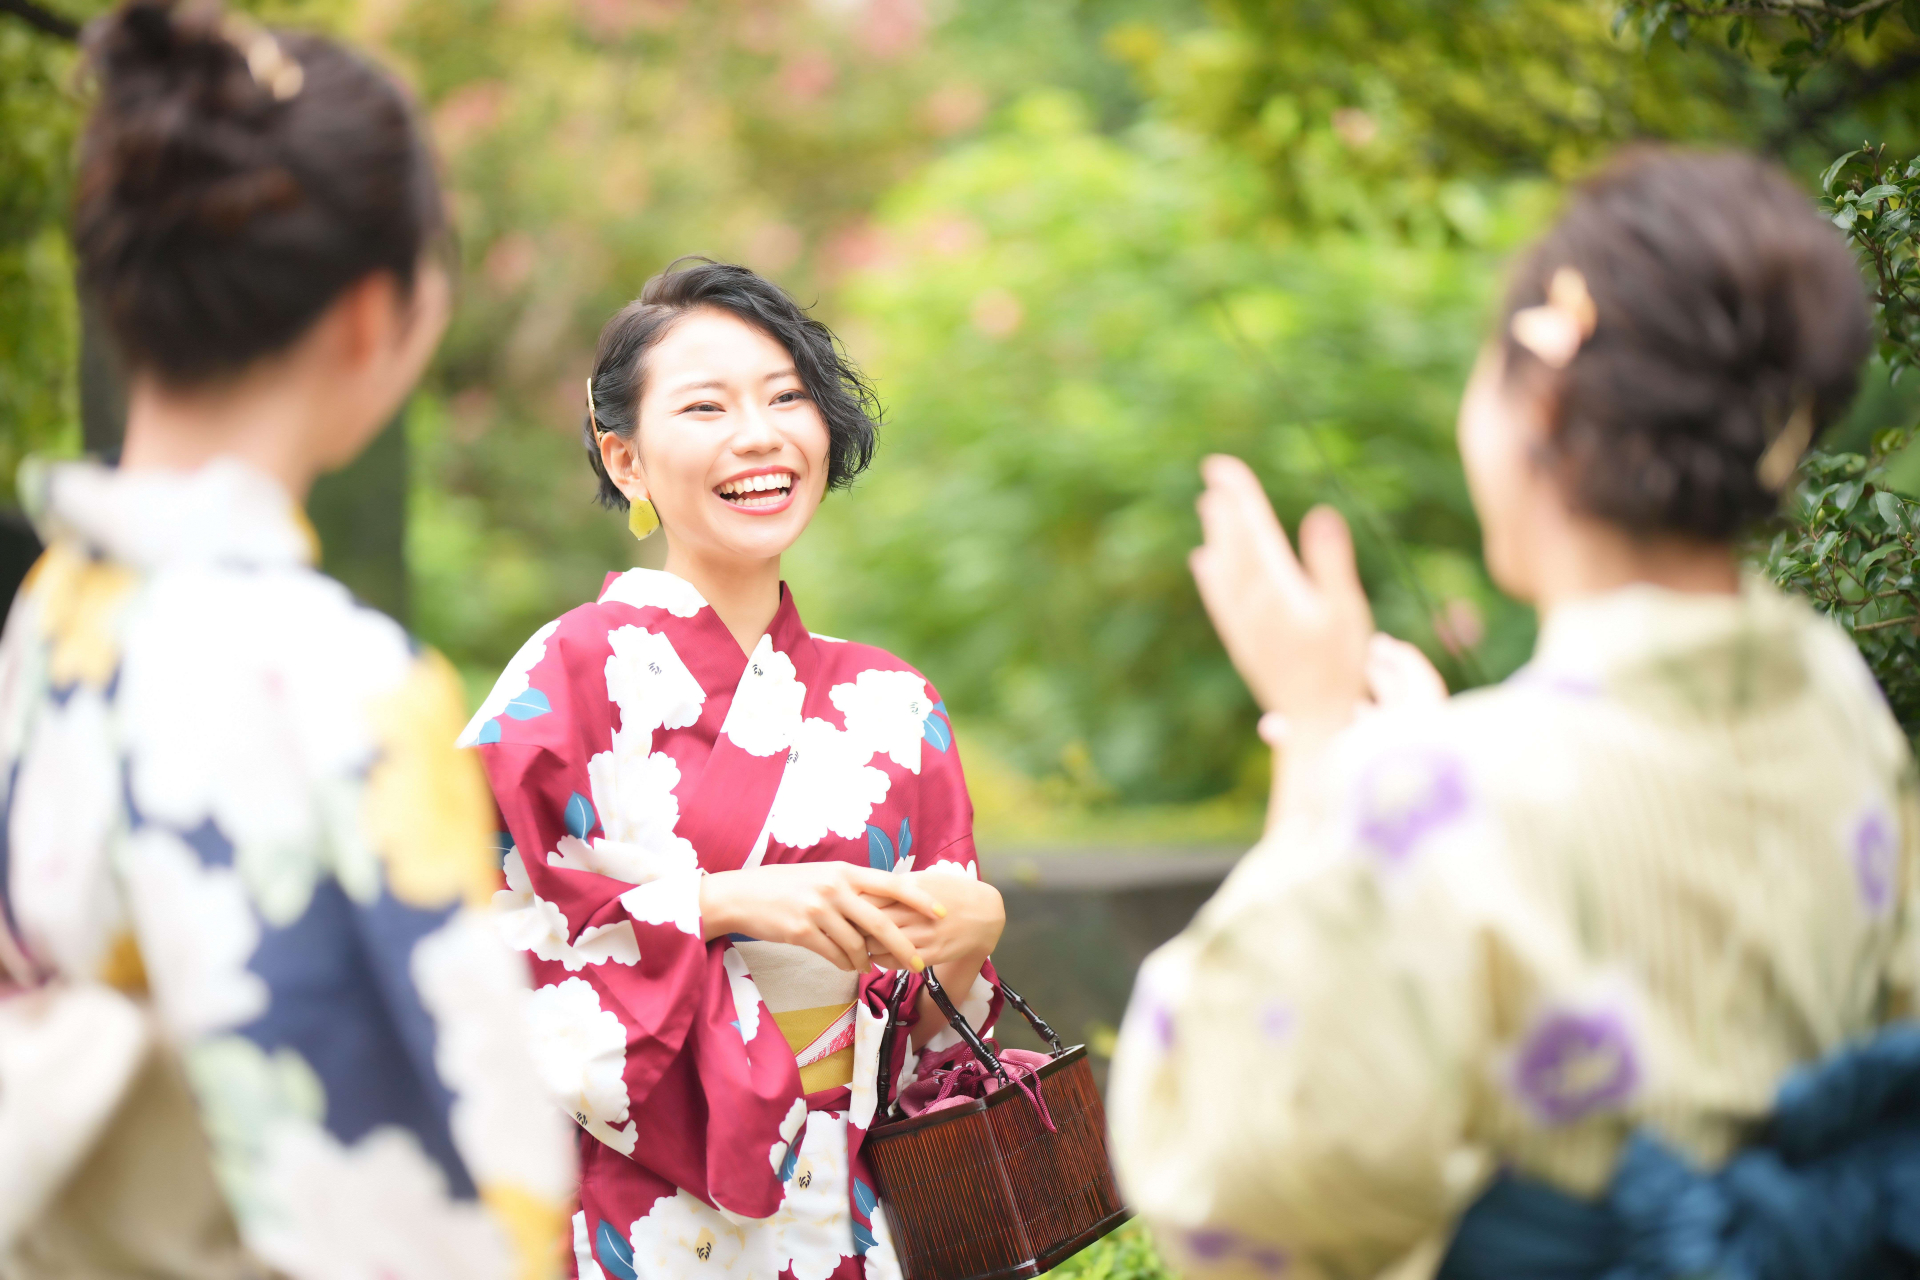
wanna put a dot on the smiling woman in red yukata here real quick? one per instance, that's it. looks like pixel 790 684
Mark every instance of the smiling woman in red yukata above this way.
pixel 727 834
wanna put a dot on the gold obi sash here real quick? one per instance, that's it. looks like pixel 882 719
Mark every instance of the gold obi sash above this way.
pixel 812 1004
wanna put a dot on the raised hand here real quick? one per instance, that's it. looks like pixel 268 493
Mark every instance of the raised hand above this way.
pixel 1296 629
pixel 832 909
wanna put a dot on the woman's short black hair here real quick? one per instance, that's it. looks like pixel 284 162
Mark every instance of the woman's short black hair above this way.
pixel 233 181
pixel 1725 305
pixel 842 393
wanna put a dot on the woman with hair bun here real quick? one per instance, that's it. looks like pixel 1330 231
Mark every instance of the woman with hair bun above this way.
pixel 1602 971
pixel 733 840
pixel 257 1025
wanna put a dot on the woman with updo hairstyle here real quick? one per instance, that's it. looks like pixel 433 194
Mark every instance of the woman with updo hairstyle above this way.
pixel 734 841
pixel 1603 971
pixel 255 1018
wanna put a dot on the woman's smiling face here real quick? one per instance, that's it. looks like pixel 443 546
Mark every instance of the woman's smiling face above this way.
pixel 731 448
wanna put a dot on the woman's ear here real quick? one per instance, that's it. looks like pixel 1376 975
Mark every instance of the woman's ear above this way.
pixel 622 460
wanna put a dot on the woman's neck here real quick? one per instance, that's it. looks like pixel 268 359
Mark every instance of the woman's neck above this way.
pixel 264 421
pixel 746 594
pixel 1592 557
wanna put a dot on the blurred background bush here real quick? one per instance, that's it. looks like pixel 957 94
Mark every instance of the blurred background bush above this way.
pixel 1079 243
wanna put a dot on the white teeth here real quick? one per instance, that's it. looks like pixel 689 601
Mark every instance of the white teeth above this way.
pixel 758 484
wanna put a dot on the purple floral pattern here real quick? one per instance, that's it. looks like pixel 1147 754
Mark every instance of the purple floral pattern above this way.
pixel 1876 859
pixel 1575 1064
pixel 1405 796
pixel 1215 1244
pixel 1276 1021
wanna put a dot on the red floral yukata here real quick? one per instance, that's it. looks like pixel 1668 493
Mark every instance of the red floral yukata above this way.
pixel 722 1088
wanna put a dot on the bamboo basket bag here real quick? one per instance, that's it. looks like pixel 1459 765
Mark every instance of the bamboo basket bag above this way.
pixel 984 1190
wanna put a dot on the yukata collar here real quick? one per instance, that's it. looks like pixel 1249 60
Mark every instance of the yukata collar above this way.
pixel 224 512
pixel 1712 654
pixel 717 661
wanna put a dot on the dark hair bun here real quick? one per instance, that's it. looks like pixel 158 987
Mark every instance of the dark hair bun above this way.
pixel 234 180
pixel 1725 309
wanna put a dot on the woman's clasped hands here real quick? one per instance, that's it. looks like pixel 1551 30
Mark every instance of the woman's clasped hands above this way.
pixel 855 916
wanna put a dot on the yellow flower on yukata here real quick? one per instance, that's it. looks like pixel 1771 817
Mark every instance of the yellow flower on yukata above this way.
pixel 80 599
pixel 426 801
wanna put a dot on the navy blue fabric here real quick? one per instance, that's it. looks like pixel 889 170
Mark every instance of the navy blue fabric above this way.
pixel 1829 1190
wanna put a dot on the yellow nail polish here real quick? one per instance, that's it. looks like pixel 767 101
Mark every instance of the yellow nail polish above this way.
pixel 918 964
pixel 939 911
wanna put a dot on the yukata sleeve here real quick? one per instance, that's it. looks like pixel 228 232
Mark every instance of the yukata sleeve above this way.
pixel 944 845
pixel 1291 1088
pixel 643 1031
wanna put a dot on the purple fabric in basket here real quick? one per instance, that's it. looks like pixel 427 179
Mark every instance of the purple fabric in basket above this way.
pixel 953 1076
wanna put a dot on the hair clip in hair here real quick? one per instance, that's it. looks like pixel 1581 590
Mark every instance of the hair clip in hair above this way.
pixel 1782 457
pixel 1555 330
pixel 267 62
pixel 592 417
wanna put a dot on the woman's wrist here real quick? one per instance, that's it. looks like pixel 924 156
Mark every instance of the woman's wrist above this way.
pixel 716 918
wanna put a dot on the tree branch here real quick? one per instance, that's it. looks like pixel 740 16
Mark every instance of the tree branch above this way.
pixel 1810 115
pixel 1781 9
pixel 45 21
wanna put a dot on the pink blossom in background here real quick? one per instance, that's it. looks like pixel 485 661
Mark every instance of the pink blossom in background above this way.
pixel 954 108
pixel 806 77
pixel 1355 127
pixel 892 28
pixel 1459 625
pixel 468 112
pixel 510 261
pixel 772 247
pixel 953 234
pixel 997 313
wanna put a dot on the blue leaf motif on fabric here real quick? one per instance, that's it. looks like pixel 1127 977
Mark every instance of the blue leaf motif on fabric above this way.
pixel 906 840
pixel 880 854
pixel 862 1239
pixel 526 706
pixel 580 816
pixel 791 1163
pixel 502 846
pixel 935 731
pixel 489 734
pixel 941 707
pixel 614 1254
pixel 864 1199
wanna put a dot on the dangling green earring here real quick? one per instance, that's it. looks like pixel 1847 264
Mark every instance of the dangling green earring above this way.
pixel 642 519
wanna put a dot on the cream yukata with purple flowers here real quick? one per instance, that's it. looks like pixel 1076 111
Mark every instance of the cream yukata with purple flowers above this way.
pixel 1634 885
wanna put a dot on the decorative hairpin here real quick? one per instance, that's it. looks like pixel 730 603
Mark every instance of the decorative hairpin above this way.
pixel 1555 330
pixel 1782 457
pixel 267 62
pixel 592 417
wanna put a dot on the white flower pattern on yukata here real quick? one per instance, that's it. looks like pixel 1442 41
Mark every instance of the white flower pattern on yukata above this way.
pixel 680 1236
pixel 581 1051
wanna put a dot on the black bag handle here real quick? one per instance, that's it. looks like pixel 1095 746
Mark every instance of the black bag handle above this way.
pixel 964 1029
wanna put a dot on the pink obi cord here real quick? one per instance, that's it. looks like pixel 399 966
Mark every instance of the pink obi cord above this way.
pixel 955 1076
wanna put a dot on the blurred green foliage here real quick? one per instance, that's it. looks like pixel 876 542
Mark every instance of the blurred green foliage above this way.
pixel 1846 535
pixel 1126 1254
pixel 39 327
pixel 1081 243
pixel 1063 323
